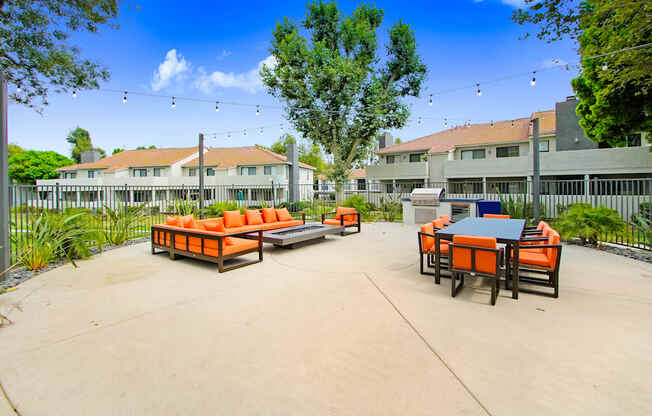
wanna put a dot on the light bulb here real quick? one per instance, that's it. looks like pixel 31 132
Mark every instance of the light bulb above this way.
pixel 430 101
pixel 479 92
pixel 18 88
pixel 605 67
pixel 217 106
pixel 419 121
pixel 228 135
pixel 512 123
pixel 124 98
pixel 492 124
pixel 445 122
pixel 534 80
pixel 257 110
pixel 281 128
pixel 244 132
pixel 74 93
pixel 261 131
pixel 174 104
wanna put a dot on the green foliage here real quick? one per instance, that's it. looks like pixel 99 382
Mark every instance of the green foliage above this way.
pixel 516 207
pixel 390 207
pixel 145 147
pixel 117 150
pixel 309 154
pixel 217 209
pixel 338 90
pixel 122 222
pixel 583 221
pixel 644 226
pixel 358 202
pixel 35 52
pixel 13 149
pixel 645 210
pixel 29 165
pixel 80 140
pixel 555 19
pixel 51 236
pixel 184 207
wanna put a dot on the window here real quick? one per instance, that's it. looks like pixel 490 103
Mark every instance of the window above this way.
pixel 415 157
pixel 362 184
pixel 69 175
pixel 192 172
pixel 633 140
pixel 158 171
pixel 140 172
pixel 389 159
pixel 248 171
pixel 267 170
pixel 473 154
pixel 507 151
pixel 91 174
pixel 544 146
pixel 210 172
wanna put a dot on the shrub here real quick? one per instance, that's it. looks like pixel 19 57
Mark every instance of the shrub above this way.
pixel 217 209
pixel 183 207
pixel 390 207
pixel 583 221
pixel 516 207
pixel 644 226
pixel 645 210
pixel 122 222
pixel 358 202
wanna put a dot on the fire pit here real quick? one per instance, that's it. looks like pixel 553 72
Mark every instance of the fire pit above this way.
pixel 287 237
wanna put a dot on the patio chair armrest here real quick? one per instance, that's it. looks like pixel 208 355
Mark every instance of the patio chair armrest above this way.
pixel 260 231
pixel 531 239
pixel 421 233
pixel 491 250
pixel 557 246
pixel 526 231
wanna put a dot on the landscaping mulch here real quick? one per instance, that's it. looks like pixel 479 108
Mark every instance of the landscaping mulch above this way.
pixel 19 274
pixel 632 253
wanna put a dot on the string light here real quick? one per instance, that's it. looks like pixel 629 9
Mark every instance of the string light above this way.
pixel 605 67
pixel 217 106
pixel 18 88
pixel 244 132
pixel 479 92
pixel 512 123
pixel 492 124
pixel 228 135
pixel 534 80
pixel 419 121
pixel 124 98
pixel 281 129
pixel 430 101
pixel 174 104
pixel 445 122
pixel 74 93
pixel 257 109
pixel 261 131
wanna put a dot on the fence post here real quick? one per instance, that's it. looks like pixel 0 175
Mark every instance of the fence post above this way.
pixel 5 211
pixel 535 168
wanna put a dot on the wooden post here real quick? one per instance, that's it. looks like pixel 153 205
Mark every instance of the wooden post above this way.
pixel 5 258
pixel 201 175
pixel 536 178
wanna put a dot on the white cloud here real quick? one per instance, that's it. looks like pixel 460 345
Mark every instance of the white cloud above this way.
pixel 249 81
pixel 174 67
pixel 514 3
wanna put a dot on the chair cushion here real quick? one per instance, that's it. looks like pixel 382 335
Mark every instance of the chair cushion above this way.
pixel 253 217
pixel 485 261
pixel 211 248
pixel 186 220
pixel 445 218
pixel 530 257
pixel 269 215
pixel 439 223
pixel 427 243
pixel 283 215
pixel 499 216
pixel 443 247
pixel 233 219
pixel 338 223
pixel 279 224
pixel 346 210
pixel 217 226
pixel 173 220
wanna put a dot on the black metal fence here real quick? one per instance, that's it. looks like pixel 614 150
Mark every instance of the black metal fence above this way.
pixel 630 197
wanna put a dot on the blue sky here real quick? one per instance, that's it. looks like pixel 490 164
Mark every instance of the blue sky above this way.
pixel 211 50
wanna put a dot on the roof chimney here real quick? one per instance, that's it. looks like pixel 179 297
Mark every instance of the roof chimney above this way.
pixel 384 139
pixel 90 156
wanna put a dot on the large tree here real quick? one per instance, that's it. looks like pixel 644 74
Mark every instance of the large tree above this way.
pixel 338 91
pixel 308 153
pixel 29 165
pixel 615 90
pixel 80 140
pixel 34 53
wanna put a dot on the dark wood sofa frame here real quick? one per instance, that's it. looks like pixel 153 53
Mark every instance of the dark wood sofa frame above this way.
pixel 343 233
pixel 187 233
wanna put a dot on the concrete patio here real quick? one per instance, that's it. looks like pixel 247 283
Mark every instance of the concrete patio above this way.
pixel 344 326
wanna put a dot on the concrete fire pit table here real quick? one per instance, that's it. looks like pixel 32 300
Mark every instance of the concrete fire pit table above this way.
pixel 288 237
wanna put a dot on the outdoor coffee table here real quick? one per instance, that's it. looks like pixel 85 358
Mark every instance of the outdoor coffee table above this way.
pixel 287 237
pixel 504 231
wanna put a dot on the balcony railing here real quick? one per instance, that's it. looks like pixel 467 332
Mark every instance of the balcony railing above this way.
pixel 414 170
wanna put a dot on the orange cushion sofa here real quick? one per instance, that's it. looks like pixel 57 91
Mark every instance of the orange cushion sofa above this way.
pixel 213 239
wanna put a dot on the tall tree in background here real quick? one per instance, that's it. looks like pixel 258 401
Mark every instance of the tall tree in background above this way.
pixel 308 153
pixel 615 91
pixel 338 92
pixel 80 140
pixel 28 166
pixel 34 54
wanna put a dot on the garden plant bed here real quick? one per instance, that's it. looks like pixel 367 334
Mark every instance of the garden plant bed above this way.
pixel 632 253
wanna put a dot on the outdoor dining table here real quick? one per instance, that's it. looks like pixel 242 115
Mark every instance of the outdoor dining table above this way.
pixel 505 231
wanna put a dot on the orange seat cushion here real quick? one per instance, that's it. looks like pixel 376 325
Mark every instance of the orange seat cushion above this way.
pixel 531 257
pixel 346 210
pixel 174 221
pixel 217 226
pixel 500 216
pixel 233 219
pixel 443 248
pixel 445 218
pixel 269 215
pixel 253 217
pixel 283 215
pixel 338 223
pixel 485 261
pixel 211 248
pixel 439 223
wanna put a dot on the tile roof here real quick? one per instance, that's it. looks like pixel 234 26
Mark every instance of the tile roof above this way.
pixel 476 134
pixel 137 158
pixel 228 157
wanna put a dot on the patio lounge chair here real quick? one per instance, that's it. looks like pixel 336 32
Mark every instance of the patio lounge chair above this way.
pixel 344 217
pixel 540 259
pixel 476 255
pixel 192 239
pixel 426 237
pixel 499 216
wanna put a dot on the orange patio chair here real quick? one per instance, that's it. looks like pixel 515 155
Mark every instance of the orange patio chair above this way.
pixel 426 237
pixel 540 259
pixel 498 216
pixel 344 217
pixel 475 255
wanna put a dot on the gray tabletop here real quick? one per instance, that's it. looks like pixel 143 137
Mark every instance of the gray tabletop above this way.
pixel 503 230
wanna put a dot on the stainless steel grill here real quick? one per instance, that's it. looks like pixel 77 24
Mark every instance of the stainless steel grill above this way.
pixel 427 197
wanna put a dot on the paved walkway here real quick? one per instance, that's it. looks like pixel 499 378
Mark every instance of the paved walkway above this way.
pixel 345 326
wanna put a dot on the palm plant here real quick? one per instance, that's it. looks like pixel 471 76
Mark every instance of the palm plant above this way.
pixel 122 222
pixel 644 226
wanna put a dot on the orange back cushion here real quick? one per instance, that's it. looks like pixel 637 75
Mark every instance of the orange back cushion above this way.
pixel 186 221
pixel 427 243
pixel 253 217
pixel 173 221
pixel 269 215
pixel 218 226
pixel 500 216
pixel 446 219
pixel 438 224
pixel 485 261
pixel 233 219
pixel 551 253
pixel 283 214
pixel 346 210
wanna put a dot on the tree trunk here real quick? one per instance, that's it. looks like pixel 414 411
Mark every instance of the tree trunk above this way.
pixel 339 193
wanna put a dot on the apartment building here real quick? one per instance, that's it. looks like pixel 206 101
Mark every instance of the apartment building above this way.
pixel 357 181
pixel 248 173
pixel 469 157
